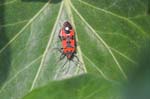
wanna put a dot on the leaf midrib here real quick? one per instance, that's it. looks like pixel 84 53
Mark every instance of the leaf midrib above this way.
pixel 73 23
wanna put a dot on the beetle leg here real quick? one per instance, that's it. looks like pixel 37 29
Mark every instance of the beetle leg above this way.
pixel 59 49
pixel 77 58
pixel 62 56
pixel 78 62
pixel 67 70
pixel 62 67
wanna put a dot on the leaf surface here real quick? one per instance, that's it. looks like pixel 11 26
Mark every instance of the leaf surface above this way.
pixel 108 32
pixel 77 88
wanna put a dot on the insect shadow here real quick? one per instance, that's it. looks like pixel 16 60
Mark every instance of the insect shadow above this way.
pixel 5 55
pixel 51 1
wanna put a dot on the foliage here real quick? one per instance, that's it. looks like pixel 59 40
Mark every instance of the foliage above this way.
pixel 109 37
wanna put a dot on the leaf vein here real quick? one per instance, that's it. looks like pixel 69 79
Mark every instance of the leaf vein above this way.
pixel 98 69
pixel 123 55
pixel 13 24
pixel 6 3
pixel 120 53
pixel 123 36
pixel 25 67
pixel 78 47
pixel 17 35
pixel 47 48
pixel 103 42
pixel 116 15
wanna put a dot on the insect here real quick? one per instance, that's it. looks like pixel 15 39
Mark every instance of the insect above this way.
pixel 68 41
pixel 68 47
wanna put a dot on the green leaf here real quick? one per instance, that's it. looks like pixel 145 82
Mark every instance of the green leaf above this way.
pixel 78 88
pixel 109 34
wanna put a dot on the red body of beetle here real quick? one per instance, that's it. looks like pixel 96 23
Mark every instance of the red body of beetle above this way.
pixel 68 41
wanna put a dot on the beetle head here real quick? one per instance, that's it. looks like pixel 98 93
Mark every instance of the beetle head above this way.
pixel 67 24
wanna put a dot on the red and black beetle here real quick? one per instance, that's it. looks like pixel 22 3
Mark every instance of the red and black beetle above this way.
pixel 68 46
pixel 68 41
